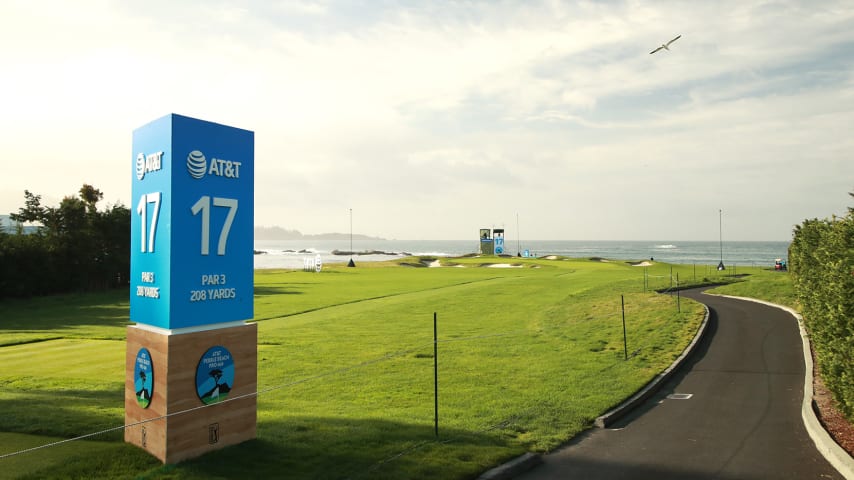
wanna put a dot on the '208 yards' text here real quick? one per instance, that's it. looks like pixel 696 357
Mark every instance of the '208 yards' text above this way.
pixel 221 292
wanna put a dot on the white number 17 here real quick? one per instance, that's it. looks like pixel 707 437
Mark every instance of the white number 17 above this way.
pixel 142 209
pixel 204 206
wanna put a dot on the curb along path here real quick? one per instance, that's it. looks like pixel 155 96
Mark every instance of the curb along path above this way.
pixel 831 451
pixel 529 460
pixel 736 407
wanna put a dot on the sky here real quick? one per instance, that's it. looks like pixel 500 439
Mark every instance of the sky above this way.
pixel 431 120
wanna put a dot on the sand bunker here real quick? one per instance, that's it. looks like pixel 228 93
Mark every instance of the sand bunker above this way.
pixel 640 264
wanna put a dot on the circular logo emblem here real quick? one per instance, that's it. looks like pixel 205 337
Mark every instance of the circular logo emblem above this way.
pixel 143 378
pixel 215 375
pixel 196 164
pixel 140 166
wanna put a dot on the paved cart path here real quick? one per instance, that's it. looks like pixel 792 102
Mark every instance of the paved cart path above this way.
pixel 742 420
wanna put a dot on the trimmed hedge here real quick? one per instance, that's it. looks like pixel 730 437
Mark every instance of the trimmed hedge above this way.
pixel 821 259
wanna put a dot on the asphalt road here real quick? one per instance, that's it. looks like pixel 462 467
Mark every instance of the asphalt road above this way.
pixel 742 420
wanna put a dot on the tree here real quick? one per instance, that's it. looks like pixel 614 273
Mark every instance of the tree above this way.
pixel 76 247
pixel 90 196
pixel 31 212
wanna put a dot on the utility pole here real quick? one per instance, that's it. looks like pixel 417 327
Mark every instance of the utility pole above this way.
pixel 351 264
pixel 721 238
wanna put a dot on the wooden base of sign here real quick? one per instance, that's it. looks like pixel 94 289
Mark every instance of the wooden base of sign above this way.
pixel 177 425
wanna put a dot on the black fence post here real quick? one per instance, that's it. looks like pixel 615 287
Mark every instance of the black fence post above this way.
pixel 625 341
pixel 645 278
pixel 671 279
pixel 435 376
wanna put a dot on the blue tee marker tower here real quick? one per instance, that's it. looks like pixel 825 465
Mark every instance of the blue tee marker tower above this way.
pixel 192 288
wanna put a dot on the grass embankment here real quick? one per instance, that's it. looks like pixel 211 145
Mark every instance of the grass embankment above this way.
pixel 769 285
pixel 528 357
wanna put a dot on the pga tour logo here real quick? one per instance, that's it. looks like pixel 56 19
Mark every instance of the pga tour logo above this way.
pixel 198 166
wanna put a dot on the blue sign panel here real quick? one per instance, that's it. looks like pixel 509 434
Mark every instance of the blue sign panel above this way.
pixel 215 375
pixel 499 245
pixel 192 226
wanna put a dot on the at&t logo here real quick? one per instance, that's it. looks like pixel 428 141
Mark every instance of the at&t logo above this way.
pixel 148 163
pixel 198 166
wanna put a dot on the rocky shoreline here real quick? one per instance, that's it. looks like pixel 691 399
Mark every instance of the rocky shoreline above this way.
pixel 371 252
pixel 343 252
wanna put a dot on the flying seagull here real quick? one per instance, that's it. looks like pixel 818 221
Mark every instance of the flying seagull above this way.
pixel 665 45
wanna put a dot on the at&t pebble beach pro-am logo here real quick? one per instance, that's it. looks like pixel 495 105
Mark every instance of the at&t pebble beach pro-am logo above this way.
pixel 215 375
pixel 143 375
pixel 198 166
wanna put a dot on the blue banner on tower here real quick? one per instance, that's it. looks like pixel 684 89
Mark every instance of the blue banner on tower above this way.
pixel 192 223
pixel 499 245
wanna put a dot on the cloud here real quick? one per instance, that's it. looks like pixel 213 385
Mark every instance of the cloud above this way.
pixel 461 113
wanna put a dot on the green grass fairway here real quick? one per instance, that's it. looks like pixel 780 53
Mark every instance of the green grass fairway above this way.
pixel 528 356
pixel 78 459
pixel 769 285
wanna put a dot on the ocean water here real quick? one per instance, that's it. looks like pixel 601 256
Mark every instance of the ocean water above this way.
pixel 292 253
